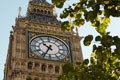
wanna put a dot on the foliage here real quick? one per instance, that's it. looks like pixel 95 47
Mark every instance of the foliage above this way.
pixel 87 40
pixel 97 12
pixel 104 63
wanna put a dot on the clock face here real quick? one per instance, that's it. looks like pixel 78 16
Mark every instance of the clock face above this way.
pixel 49 47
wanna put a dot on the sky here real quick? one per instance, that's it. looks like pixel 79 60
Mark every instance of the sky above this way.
pixel 9 12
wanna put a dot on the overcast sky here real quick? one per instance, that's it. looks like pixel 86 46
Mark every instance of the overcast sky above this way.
pixel 8 13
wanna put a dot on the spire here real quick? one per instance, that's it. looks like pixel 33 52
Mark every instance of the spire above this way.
pixel 77 31
pixel 19 12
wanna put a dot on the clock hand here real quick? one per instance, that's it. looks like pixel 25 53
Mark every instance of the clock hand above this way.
pixel 45 52
pixel 45 45
pixel 49 48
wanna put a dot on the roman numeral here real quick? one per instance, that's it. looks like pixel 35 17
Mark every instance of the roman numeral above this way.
pixel 49 56
pixel 57 56
pixel 62 54
pixel 34 45
pixel 37 50
pixel 42 39
pixel 48 39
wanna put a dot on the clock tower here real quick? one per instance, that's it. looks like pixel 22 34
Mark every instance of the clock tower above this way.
pixel 38 48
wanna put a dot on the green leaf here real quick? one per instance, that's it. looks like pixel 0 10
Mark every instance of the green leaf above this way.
pixel 66 25
pixel 107 40
pixel 102 29
pixel 96 23
pixel 64 15
pixel 68 68
pixel 87 40
pixel 94 47
pixel 98 38
pixel 78 22
pixel 58 3
pixel 116 41
pixel 86 61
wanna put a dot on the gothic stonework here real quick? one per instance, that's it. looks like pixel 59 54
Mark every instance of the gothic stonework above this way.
pixel 38 48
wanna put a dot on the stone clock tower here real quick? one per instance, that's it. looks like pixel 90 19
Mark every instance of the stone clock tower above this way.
pixel 38 48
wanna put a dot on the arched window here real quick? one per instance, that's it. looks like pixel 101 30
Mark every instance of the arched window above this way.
pixel 34 10
pixel 43 67
pixel 38 10
pixel 30 64
pixel 57 69
pixel 45 12
pixel 29 78
pixel 48 12
pixel 42 11
pixel 50 68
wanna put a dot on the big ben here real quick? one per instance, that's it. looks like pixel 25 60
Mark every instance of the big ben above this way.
pixel 38 47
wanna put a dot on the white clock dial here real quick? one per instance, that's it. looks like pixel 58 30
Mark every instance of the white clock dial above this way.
pixel 49 47
pixel 54 48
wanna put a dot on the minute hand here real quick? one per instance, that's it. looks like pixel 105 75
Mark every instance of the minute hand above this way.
pixel 46 52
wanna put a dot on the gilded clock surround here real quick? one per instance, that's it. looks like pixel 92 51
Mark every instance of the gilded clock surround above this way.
pixel 39 20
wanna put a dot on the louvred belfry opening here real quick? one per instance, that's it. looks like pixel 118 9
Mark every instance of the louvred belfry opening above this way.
pixel 42 11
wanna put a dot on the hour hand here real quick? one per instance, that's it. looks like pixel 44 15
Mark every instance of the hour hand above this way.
pixel 45 45
pixel 49 47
